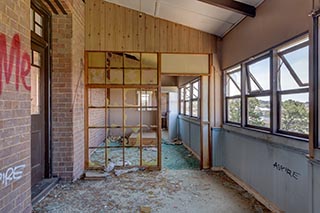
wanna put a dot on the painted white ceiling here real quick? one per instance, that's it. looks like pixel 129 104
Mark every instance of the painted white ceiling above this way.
pixel 192 13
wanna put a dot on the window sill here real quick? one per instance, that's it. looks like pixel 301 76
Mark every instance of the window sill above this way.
pixel 189 118
pixel 290 142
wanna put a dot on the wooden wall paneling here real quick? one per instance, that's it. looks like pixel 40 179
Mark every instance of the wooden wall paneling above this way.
pixel 194 36
pixel 157 34
pixel 170 40
pixel 150 34
pixel 128 37
pixel 110 36
pixel 96 27
pixel 175 37
pixel 135 30
pixel 142 32
pixel 163 35
pixel 184 39
pixel 110 27
pixel 119 26
pixel 200 43
pixel 103 29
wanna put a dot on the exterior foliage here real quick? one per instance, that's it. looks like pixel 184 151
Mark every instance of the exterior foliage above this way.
pixel 255 113
pixel 234 114
pixel 294 117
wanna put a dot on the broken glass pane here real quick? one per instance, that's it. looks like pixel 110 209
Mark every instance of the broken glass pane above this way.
pixel 132 60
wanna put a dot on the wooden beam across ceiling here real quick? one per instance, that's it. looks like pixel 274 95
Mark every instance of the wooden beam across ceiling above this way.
pixel 235 6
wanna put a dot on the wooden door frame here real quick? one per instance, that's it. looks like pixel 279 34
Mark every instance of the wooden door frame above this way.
pixel 45 43
pixel 204 163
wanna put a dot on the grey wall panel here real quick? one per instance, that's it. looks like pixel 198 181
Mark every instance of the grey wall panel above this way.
pixel 277 173
pixel 316 187
pixel 195 138
pixel 217 147
pixel 189 133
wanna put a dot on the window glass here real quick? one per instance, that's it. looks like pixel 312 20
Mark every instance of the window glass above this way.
pixel 299 61
pixel 195 89
pixel 233 84
pixel 195 108
pixel 187 92
pixel 35 90
pixel 295 113
pixel 182 107
pixel 259 75
pixel 259 111
pixel 234 110
pixel 294 68
pixel 187 112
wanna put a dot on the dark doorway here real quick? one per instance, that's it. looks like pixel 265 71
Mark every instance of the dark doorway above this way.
pixel 40 93
pixel 38 112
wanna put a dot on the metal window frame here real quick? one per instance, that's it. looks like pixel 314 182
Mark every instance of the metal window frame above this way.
pixel 228 73
pixel 191 99
pixel 249 94
pixel 304 88
pixel 273 92
pixel 249 75
pixel 227 111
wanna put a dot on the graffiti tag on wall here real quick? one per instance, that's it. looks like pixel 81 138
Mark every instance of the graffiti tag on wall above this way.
pixel 12 173
pixel 286 170
pixel 21 63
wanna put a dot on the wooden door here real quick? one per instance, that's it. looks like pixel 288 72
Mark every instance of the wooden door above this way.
pixel 38 110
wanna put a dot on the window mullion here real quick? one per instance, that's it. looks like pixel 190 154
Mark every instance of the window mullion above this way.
pixel 275 106
pixel 244 89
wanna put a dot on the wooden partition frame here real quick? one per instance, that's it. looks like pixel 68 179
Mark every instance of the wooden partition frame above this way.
pixel 123 86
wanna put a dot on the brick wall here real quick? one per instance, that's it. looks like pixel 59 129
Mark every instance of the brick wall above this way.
pixel 62 131
pixel 78 45
pixel 68 93
pixel 15 107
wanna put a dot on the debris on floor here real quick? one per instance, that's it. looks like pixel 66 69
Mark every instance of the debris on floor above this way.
pixel 145 209
pixel 164 191
pixel 175 141
pixel 110 167
pixel 124 171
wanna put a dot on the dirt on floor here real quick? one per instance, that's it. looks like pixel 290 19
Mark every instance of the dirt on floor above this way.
pixel 157 191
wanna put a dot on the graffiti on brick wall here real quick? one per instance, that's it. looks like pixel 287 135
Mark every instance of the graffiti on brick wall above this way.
pixel 11 174
pixel 15 60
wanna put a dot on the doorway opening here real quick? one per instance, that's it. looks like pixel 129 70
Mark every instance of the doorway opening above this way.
pixel 180 122
pixel 40 20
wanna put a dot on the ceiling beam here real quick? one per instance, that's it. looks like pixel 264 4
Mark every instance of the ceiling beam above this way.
pixel 235 6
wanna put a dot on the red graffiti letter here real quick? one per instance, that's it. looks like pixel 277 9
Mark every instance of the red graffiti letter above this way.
pixel 14 52
pixel 25 71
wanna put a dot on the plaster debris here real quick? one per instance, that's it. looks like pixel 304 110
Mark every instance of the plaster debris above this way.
pixel 163 191
pixel 124 171
pixel 110 167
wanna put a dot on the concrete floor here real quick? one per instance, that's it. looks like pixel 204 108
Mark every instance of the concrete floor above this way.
pixel 173 189
pixel 164 191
